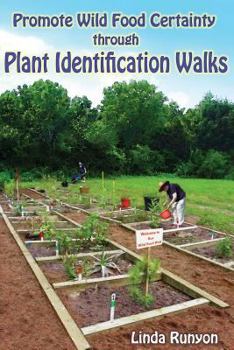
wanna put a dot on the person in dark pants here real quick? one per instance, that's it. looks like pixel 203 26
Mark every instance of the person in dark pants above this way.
pixel 82 171
pixel 177 198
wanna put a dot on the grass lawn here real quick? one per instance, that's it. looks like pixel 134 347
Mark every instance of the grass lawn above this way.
pixel 210 200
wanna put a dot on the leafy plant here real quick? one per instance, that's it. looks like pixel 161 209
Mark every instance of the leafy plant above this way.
pixel 106 264
pixel 86 267
pixel 155 209
pixel 65 243
pixel 138 275
pixel 69 265
pixel 93 232
pixel 48 229
pixel 224 248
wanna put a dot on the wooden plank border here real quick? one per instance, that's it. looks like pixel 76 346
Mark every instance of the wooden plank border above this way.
pixel 69 324
pixel 157 313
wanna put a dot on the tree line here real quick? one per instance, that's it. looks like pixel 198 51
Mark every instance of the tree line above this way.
pixel 134 130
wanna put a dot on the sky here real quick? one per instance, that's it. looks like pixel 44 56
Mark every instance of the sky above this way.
pixel 186 90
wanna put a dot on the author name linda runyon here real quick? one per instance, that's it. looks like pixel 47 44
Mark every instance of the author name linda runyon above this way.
pixel 174 338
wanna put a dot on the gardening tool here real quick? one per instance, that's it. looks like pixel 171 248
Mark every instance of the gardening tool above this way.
pixel 165 214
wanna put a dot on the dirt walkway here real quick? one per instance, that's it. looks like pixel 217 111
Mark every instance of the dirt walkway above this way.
pixel 27 320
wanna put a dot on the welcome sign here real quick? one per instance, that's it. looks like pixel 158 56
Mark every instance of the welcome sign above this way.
pixel 149 238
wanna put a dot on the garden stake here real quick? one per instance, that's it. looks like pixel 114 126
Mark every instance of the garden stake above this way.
pixel 103 181
pixel 112 307
pixel 17 184
pixel 113 192
pixel 147 273
pixel 79 270
pixel 56 248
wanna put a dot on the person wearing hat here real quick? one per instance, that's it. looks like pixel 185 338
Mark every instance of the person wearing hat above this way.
pixel 177 198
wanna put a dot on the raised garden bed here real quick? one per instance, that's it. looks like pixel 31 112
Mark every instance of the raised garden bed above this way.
pixel 145 225
pixel 197 234
pixel 46 248
pixel 127 216
pixel 210 252
pixel 56 272
pixel 92 305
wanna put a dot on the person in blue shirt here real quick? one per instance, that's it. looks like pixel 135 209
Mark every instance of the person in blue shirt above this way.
pixel 177 199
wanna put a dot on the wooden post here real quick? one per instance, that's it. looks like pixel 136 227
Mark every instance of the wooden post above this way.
pixel 113 193
pixel 147 272
pixel 103 181
pixel 17 184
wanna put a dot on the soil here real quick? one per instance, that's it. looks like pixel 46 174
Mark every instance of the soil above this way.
pixel 27 320
pixel 47 249
pixel 38 250
pixel 85 306
pixel 210 252
pixel 32 194
pixel 55 271
pixel 79 216
pixel 166 225
pixel 190 236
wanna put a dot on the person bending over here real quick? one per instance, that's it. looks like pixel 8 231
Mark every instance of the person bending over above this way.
pixel 177 199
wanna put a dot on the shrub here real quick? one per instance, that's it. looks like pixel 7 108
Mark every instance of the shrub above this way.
pixel 5 177
pixel 137 278
pixel 214 165
pixel 224 248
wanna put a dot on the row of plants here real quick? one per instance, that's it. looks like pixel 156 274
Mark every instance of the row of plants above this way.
pixel 92 237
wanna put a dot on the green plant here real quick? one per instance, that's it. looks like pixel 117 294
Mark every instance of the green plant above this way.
pixel 65 243
pixel 93 232
pixel 155 209
pixel 87 269
pixel 47 228
pixel 106 264
pixel 224 248
pixel 69 265
pixel 138 275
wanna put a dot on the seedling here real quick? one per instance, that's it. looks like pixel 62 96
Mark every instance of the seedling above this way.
pixel 65 243
pixel 155 209
pixel 69 265
pixel 224 248
pixel 106 264
pixel 93 232
pixel 140 274
pixel 47 228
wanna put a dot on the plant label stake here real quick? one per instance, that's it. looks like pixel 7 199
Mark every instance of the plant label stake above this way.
pixel 41 235
pixel 79 270
pixel 147 272
pixel 103 181
pixel 112 306
pixel 56 248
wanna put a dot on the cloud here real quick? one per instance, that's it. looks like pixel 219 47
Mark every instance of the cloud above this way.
pixel 180 97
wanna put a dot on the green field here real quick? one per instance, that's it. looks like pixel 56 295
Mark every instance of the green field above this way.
pixel 209 200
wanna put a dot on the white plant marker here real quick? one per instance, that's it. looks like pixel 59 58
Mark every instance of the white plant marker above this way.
pixel 56 248
pixel 47 208
pixel 112 306
pixel 104 271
